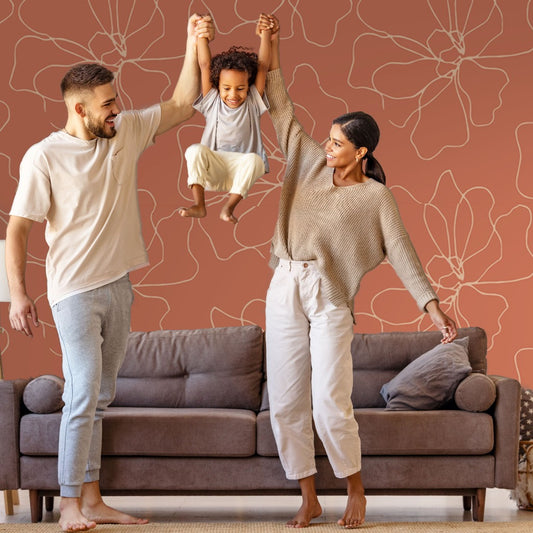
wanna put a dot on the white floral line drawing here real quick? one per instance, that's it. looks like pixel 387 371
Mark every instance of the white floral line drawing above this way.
pixel 522 151
pixel 297 15
pixel 117 35
pixel 521 154
pixel 516 358
pixel 462 260
pixel 238 319
pixel 288 31
pixel 11 11
pixel 448 64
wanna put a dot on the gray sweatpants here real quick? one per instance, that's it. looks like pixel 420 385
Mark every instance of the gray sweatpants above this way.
pixel 93 329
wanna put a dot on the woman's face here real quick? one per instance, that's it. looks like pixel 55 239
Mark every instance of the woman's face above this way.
pixel 340 152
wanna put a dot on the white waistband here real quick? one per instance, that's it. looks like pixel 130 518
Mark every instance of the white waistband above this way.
pixel 290 264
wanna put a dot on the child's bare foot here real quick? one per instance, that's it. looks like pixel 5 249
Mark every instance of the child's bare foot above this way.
pixel 354 515
pixel 305 514
pixel 196 211
pixel 101 513
pixel 227 215
pixel 71 518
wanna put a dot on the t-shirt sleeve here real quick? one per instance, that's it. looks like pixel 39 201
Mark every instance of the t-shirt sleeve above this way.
pixel 203 104
pixel 140 126
pixel 260 102
pixel 32 199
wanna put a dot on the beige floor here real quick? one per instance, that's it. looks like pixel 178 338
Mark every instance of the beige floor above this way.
pixel 499 508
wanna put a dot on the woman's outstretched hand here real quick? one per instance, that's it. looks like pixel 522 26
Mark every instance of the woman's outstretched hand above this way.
pixel 442 321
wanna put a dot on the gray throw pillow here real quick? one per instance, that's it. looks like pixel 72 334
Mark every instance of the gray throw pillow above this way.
pixel 430 380
pixel 43 394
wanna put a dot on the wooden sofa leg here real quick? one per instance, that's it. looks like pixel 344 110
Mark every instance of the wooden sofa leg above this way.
pixel 467 503
pixel 8 502
pixel 49 503
pixel 36 506
pixel 479 505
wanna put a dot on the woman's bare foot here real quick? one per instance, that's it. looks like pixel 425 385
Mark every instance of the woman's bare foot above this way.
pixel 101 513
pixel 354 515
pixel 310 505
pixel 71 518
pixel 196 211
pixel 305 514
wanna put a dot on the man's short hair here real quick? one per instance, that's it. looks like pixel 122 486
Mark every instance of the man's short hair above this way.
pixel 85 76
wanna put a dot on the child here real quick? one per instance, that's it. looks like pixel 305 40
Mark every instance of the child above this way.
pixel 231 156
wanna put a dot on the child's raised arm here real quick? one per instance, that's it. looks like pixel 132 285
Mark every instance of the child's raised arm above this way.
pixel 204 62
pixel 264 30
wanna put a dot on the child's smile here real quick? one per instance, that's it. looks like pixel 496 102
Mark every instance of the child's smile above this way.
pixel 233 87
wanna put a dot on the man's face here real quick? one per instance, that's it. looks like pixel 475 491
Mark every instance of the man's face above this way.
pixel 101 110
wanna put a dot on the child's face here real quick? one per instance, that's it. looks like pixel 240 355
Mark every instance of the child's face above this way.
pixel 233 87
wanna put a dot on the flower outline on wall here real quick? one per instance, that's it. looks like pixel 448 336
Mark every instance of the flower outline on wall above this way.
pixel 443 84
pixel 118 35
pixel 468 262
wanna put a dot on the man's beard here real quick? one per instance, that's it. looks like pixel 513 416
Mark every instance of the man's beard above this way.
pixel 99 129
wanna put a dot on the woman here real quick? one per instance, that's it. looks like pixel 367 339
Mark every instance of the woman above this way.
pixel 337 221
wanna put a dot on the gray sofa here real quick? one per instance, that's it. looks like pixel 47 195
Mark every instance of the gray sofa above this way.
pixel 191 417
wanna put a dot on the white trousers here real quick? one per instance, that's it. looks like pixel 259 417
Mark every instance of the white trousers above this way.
pixel 232 172
pixel 309 372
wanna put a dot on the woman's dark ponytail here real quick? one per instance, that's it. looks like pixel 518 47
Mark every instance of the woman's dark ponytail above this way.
pixel 362 130
pixel 373 169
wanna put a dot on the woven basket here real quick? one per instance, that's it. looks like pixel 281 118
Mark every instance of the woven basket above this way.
pixel 524 488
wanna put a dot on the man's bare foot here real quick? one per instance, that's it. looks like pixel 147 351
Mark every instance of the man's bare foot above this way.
pixel 227 215
pixel 354 515
pixel 101 513
pixel 71 518
pixel 305 514
pixel 195 211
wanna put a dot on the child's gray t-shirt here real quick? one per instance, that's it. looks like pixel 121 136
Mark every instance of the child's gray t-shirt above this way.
pixel 233 130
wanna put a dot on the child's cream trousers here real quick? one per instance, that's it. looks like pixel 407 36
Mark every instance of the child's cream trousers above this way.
pixel 232 172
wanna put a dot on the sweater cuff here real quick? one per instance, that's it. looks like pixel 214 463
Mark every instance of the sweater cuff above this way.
pixel 425 299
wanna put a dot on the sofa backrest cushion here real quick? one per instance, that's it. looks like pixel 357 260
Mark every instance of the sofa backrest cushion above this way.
pixel 212 368
pixel 379 357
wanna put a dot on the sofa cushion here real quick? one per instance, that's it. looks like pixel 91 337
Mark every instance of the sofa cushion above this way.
pixel 44 394
pixel 154 432
pixel 477 392
pixel 430 380
pixel 211 368
pixel 382 432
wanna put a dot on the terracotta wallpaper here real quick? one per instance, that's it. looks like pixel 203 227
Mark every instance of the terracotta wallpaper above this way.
pixel 449 83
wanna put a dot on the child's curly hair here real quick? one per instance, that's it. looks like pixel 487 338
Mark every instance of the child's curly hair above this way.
pixel 236 58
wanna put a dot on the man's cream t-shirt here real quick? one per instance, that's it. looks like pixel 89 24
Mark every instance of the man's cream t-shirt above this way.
pixel 87 193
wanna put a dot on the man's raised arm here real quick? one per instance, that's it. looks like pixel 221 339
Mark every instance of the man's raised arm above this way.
pixel 179 107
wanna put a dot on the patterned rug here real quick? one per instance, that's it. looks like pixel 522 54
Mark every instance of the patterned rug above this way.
pixel 272 527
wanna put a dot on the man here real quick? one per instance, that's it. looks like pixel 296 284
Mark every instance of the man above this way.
pixel 83 181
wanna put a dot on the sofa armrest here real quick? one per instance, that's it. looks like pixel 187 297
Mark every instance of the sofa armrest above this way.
pixel 10 411
pixel 506 411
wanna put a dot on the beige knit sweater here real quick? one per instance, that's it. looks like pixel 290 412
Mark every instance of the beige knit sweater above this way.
pixel 347 230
